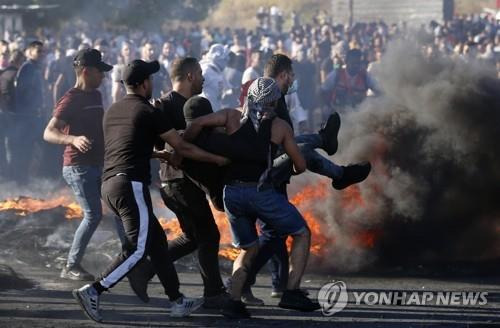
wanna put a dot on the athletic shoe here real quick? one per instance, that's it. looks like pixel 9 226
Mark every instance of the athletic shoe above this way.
pixel 217 301
pixel 139 277
pixel 235 310
pixel 76 272
pixel 353 173
pixel 296 300
pixel 88 299
pixel 276 293
pixel 329 134
pixel 249 299
pixel 185 306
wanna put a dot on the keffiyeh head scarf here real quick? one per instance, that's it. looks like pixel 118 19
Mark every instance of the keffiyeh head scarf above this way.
pixel 262 92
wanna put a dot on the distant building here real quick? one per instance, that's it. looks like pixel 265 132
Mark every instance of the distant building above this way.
pixel 11 17
pixel 391 11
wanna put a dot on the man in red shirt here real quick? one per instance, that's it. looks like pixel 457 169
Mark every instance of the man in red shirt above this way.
pixel 77 123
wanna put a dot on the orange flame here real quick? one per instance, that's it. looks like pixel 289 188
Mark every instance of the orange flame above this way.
pixel 305 200
pixel 23 206
pixel 351 198
pixel 173 230
pixel 366 239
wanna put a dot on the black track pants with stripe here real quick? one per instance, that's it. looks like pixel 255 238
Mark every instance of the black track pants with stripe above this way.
pixel 131 201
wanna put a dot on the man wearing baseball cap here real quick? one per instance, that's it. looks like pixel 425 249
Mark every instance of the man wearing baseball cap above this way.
pixel 77 123
pixel 131 129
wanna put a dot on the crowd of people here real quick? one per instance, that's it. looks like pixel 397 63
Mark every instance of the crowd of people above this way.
pixel 37 69
pixel 232 115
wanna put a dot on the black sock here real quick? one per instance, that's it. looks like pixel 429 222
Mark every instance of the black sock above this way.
pixel 98 287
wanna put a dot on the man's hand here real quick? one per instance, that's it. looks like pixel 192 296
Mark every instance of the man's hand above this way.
pixel 163 155
pixel 82 143
pixel 176 160
pixel 223 161
pixel 156 103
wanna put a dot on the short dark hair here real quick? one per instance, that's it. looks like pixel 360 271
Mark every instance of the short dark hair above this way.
pixel 34 44
pixel 276 64
pixel 181 67
pixel 16 56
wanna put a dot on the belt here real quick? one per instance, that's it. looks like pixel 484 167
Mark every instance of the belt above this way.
pixel 239 183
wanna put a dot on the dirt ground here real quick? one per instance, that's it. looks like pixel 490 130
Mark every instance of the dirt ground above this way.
pixel 33 249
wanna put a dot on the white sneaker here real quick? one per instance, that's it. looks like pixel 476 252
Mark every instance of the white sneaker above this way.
pixel 88 299
pixel 185 306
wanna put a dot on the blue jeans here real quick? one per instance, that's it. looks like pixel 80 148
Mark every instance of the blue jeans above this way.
pixel 23 134
pixel 315 162
pixel 244 204
pixel 85 181
pixel 272 247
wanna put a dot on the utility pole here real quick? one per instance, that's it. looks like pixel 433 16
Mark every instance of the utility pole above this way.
pixel 351 14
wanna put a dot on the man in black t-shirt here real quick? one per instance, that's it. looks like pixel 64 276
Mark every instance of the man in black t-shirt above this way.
pixel 184 197
pixel 131 127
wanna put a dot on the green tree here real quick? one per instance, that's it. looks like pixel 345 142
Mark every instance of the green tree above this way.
pixel 132 13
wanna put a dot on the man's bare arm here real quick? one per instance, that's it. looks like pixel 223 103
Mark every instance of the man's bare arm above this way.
pixel 290 146
pixel 189 150
pixel 217 119
pixel 53 134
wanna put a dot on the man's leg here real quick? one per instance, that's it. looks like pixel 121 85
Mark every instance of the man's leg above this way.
pixel 185 243
pixel 299 255
pixel 279 269
pixel 272 249
pixel 181 246
pixel 342 176
pixel 200 231
pixel 274 209
pixel 85 183
pixel 126 199
pixel 244 234
pixel 132 202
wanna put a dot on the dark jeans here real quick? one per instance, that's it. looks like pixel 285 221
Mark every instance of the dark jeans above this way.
pixel 272 249
pixel 199 231
pixel 4 124
pixel 144 236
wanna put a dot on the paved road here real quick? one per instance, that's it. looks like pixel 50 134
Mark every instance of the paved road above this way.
pixel 49 304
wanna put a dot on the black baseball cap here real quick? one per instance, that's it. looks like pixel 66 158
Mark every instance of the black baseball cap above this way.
pixel 138 70
pixel 195 107
pixel 91 58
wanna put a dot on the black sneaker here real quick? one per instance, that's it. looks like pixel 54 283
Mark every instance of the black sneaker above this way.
pixel 296 300
pixel 216 302
pixel 235 310
pixel 139 277
pixel 353 173
pixel 329 134
pixel 76 272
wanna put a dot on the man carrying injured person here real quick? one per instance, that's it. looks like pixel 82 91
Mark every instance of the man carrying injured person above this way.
pixel 249 193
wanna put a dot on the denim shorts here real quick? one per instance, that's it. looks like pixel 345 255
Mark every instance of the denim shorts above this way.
pixel 244 205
